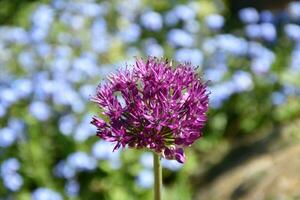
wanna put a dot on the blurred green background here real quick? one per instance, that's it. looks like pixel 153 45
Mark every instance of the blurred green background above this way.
pixel 53 53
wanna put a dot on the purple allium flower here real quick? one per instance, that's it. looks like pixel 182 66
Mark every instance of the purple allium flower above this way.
pixel 155 106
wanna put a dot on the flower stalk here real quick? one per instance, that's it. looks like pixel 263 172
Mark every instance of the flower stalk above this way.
pixel 157 177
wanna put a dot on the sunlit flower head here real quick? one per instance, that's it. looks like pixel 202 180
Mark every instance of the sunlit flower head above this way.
pixel 155 105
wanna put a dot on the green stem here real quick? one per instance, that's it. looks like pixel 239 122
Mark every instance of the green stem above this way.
pixel 157 177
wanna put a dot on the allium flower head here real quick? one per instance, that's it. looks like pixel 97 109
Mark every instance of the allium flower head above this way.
pixel 155 106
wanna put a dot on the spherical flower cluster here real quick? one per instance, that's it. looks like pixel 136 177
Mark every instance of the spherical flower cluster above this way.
pixel 155 106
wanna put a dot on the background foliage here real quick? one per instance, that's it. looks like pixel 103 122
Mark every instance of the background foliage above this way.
pixel 54 53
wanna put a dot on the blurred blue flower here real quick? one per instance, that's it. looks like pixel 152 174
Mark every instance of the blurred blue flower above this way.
pixel 81 161
pixel 9 166
pixel 292 31
pixel 13 181
pixel 58 4
pixel 8 96
pixel 172 165
pixel 268 32
pixel 130 33
pixel 297 47
pixel 260 65
pixel 15 35
pixel 249 15
pixel 267 16
pixel 67 124
pixel 192 26
pixel 23 87
pixel 218 60
pixel 83 131
pixel 72 188
pixel 75 76
pixel 64 170
pixel 152 20
pixel 131 52
pixel 194 56
pixel 184 12
pixel 64 95
pixel 262 58
pixel 59 66
pixel 232 44
pixel 44 88
pixel 45 194
pixel 178 37
pixel 75 22
pixel 294 10
pixel 7 137
pixel 209 45
pixel 278 98
pixel 107 69
pixel 85 123
pixel 18 126
pixel 242 81
pixel 256 49
pixel 129 8
pixel 221 92
pixel 253 31
pixel 100 41
pixel 115 163
pixel 41 19
pixel 214 21
pixel 101 44
pixel 27 59
pixel 146 160
pixel 43 49
pixel 37 34
pixel 64 38
pixel 87 64
pixel 86 91
pixel 103 150
pixel 145 178
pixel 153 49
pixel 215 74
pixel 171 18
pixel 42 16
pixel 43 85
pixel 40 110
pixel 63 51
pixel 289 89
pixel 89 9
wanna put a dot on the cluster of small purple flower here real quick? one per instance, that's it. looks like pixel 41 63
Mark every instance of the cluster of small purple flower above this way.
pixel 155 106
